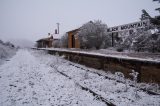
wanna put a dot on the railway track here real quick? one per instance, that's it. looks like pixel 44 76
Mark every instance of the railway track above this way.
pixel 97 96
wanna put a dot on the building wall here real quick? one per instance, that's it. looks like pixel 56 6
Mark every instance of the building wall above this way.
pixel 73 35
pixel 50 44
pixel 44 44
pixel 69 39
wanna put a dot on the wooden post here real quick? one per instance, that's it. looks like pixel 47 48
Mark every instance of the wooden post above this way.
pixel 112 39
pixel 138 69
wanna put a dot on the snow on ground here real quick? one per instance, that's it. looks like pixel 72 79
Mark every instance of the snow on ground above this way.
pixel 27 80
pixel 109 89
pixel 31 78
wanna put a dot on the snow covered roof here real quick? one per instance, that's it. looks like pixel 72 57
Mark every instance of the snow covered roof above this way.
pixel 74 30
pixel 45 39
pixel 57 36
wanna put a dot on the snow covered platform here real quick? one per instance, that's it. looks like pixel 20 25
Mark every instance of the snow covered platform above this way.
pixel 148 67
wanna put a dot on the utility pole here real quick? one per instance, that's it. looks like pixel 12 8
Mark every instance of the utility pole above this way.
pixel 58 27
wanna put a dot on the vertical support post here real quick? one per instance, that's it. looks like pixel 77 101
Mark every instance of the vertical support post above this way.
pixel 138 69
pixel 102 63
pixel 112 39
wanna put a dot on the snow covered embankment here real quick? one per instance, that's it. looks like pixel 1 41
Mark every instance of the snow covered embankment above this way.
pixel 6 51
pixel 24 80
pixel 109 89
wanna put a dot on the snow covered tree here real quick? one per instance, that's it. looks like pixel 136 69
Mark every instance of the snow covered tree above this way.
pixel 144 39
pixel 148 39
pixel 134 74
pixel 157 0
pixel 1 41
pixel 145 15
pixel 9 44
pixel 56 43
pixel 158 9
pixel 120 77
pixel 94 35
pixel 64 41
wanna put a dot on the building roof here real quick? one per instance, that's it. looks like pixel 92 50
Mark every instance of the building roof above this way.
pixel 74 30
pixel 56 36
pixel 45 39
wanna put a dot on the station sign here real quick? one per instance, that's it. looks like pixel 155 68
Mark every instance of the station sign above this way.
pixel 135 25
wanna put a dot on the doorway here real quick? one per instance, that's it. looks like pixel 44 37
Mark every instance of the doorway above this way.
pixel 73 41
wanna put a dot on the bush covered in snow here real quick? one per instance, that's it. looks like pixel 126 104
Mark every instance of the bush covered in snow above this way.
pixel 6 50
pixel 94 35
pixel 64 41
pixel 142 40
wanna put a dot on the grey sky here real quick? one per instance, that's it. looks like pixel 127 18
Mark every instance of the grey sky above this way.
pixel 33 19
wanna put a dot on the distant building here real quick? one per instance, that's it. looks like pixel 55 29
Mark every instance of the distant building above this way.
pixel 51 41
pixel 45 42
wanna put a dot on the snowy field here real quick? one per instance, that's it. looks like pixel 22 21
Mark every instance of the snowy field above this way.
pixel 33 78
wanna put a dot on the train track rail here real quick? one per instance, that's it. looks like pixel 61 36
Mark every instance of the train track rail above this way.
pixel 98 97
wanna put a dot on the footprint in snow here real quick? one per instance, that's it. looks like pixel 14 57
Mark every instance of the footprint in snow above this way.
pixel 12 85
pixel 31 84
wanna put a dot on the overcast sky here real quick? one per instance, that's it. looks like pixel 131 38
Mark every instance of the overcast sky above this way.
pixel 33 19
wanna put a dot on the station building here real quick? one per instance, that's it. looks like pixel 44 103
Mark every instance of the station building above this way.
pixel 49 41
pixel 45 42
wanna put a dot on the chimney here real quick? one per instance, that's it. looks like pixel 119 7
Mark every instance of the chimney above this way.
pixel 56 31
pixel 58 27
pixel 49 34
